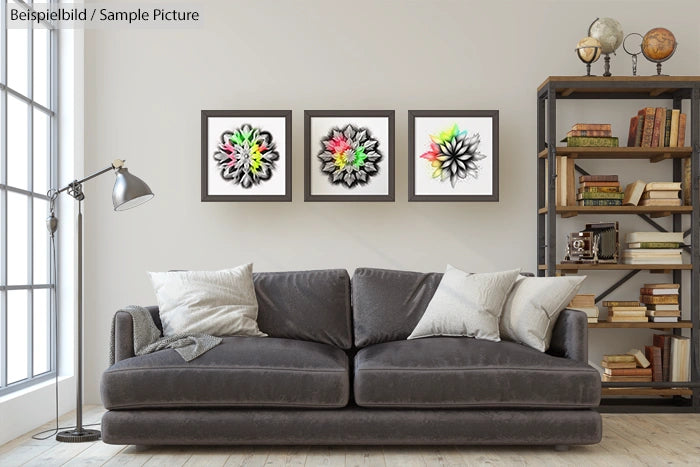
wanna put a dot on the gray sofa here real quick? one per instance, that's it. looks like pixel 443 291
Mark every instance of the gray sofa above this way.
pixel 337 369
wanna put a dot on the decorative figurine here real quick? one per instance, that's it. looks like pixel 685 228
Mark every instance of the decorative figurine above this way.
pixel 633 54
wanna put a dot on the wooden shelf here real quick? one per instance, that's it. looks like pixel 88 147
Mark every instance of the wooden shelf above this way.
pixel 653 154
pixel 653 211
pixel 617 267
pixel 637 86
pixel 607 391
pixel 647 325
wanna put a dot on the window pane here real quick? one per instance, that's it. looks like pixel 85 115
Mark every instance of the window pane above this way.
pixel 41 152
pixel 41 242
pixel 17 238
pixel 16 335
pixel 17 59
pixel 17 138
pixel 42 327
pixel 41 65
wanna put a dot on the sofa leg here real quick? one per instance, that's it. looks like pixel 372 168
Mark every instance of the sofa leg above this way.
pixel 561 447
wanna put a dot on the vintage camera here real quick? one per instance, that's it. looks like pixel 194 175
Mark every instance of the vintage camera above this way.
pixel 597 243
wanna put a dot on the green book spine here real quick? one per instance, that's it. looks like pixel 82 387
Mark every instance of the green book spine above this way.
pixel 602 195
pixel 590 141
pixel 600 202
pixel 600 189
pixel 659 245
pixel 667 131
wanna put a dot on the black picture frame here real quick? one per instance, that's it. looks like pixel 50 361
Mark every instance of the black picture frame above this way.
pixel 206 195
pixel 413 156
pixel 311 149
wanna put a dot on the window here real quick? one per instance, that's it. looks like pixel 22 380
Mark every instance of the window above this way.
pixel 27 171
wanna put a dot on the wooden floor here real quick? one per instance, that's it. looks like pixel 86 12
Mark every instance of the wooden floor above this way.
pixel 648 439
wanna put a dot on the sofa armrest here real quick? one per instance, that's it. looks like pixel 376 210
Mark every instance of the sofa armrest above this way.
pixel 570 336
pixel 124 333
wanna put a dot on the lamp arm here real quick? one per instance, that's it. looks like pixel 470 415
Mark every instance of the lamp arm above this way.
pixel 117 164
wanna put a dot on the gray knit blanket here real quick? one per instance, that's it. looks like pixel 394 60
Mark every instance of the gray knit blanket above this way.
pixel 147 337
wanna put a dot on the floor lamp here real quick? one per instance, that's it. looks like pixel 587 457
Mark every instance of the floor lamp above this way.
pixel 129 191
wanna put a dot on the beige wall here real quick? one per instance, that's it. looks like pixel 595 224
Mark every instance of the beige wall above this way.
pixel 145 89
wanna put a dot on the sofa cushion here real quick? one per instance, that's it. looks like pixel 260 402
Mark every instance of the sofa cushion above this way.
pixel 387 304
pixel 305 305
pixel 240 372
pixel 461 372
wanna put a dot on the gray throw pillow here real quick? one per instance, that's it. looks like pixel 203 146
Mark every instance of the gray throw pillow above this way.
pixel 220 303
pixel 533 306
pixel 466 304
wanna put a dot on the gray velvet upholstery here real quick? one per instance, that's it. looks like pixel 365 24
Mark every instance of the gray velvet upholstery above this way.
pixel 570 336
pixel 458 372
pixel 306 305
pixel 351 426
pixel 388 304
pixel 240 372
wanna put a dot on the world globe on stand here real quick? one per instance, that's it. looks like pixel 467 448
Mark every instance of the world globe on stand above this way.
pixel 588 51
pixel 609 32
pixel 658 44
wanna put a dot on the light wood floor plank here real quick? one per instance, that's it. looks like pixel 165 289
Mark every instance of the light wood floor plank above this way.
pixel 97 454
pixel 59 454
pixel 208 456
pixel 325 456
pixel 246 457
pixel 131 456
pixel 21 454
pixel 364 456
pixel 169 457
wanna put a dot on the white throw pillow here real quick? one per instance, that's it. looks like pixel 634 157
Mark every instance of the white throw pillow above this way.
pixel 466 305
pixel 220 303
pixel 533 307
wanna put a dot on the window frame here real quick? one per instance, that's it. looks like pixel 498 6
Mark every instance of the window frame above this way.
pixel 52 170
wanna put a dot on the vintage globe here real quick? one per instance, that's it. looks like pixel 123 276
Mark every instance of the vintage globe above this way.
pixel 609 32
pixel 658 44
pixel 588 49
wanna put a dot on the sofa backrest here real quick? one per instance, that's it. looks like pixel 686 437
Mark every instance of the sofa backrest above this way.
pixel 388 304
pixel 306 305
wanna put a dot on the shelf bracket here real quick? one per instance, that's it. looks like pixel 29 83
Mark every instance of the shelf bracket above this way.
pixel 660 157
pixel 658 92
pixel 617 284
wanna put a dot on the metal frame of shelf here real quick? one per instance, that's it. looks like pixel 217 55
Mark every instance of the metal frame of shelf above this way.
pixel 619 87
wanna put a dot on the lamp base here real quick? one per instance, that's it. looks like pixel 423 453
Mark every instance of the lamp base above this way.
pixel 75 436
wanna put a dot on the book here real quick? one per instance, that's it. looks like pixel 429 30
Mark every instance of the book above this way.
pixel 640 129
pixel 653 245
pixel 583 300
pixel 616 365
pixel 592 126
pixel 660 260
pixel 602 195
pixel 648 130
pixel 681 130
pixel 652 252
pixel 662 285
pixel 615 185
pixel 626 379
pixel 606 133
pixel 639 357
pixel 676 237
pixel 591 311
pixel 673 140
pixel 656 299
pixel 663 341
pixel 599 189
pixel 633 193
pixel 686 184
pixel 632 135
pixel 660 194
pixel 659 121
pixel 661 307
pixel 660 202
pixel 620 309
pixel 627 371
pixel 600 202
pixel 651 291
pixel 661 186
pixel 680 359
pixel 664 313
pixel 592 319
pixel 627 319
pixel 663 319
pixel 592 141
pixel 667 129
pixel 610 303
pixel 625 357
pixel 598 178
pixel 653 354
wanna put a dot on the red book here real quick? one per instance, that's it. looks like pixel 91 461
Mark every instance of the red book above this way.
pixel 606 133
pixel 590 184
pixel 681 130
pixel 592 126
pixel 659 123
pixel 597 178
pixel 664 342
pixel 634 122
pixel 653 354
pixel 648 130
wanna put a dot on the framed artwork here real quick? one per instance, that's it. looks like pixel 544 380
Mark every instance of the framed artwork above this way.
pixel 349 155
pixel 246 155
pixel 453 155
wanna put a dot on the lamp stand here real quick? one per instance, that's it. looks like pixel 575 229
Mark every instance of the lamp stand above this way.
pixel 79 434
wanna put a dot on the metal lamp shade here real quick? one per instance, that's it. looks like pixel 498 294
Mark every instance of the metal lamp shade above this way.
pixel 129 191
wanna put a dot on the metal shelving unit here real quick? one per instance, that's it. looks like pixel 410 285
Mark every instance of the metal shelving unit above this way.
pixel 626 397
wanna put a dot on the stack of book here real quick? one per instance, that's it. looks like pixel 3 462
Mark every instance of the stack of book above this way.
pixel 661 301
pixel 669 357
pixel 653 248
pixel 591 135
pixel 655 127
pixel 629 367
pixel 585 303
pixel 599 190
pixel 661 194
pixel 626 311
